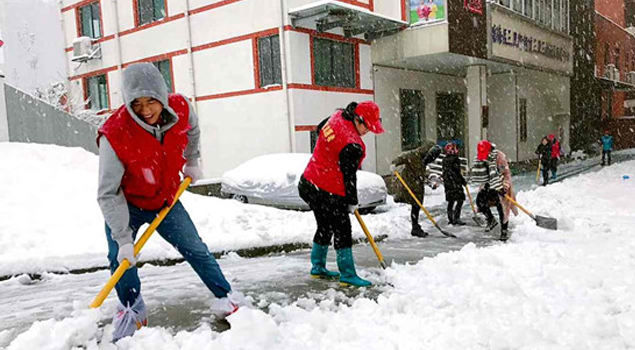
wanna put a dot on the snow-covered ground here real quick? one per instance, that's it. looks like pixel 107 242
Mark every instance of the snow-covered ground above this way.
pixel 566 289
pixel 51 220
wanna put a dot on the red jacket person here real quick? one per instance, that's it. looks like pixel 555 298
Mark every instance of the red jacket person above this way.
pixel 143 149
pixel 329 186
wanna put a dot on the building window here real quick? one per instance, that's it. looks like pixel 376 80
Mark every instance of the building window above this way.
pixel 150 11
pixel 523 119
pixel 166 71
pixel 89 21
pixel 518 6
pixel 565 16
pixel 334 63
pixel 557 15
pixel 505 3
pixel 528 8
pixel 617 58
pixel 269 60
pixel 607 54
pixel 547 13
pixel 412 105
pixel 97 92
pixel 536 15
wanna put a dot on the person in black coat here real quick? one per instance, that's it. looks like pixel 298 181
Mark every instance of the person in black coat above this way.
pixel 544 154
pixel 453 182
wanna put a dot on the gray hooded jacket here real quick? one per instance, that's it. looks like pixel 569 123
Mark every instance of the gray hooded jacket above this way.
pixel 139 80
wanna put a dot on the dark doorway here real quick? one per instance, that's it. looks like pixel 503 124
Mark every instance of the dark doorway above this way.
pixel 412 118
pixel 450 119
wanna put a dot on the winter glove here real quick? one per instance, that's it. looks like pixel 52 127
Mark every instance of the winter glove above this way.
pixel 194 172
pixel 126 251
pixel 393 168
pixel 352 208
pixel 432 154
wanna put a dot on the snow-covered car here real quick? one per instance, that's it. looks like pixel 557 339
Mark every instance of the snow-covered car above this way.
pixel 273 180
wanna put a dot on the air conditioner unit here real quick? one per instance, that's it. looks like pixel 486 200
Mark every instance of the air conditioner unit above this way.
pixel 609 71
pixel 84 50
pixel 616 74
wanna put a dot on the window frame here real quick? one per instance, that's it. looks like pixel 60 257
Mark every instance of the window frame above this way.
pixel 169 84
pixel 275 63
pixel 89 105
pixel 317 78
pixel 137 12
pixel 80 23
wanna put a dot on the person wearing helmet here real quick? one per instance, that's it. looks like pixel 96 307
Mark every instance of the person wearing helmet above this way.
pixel 329 186
pixel 453 182
pixel 412 168
pixel 491 171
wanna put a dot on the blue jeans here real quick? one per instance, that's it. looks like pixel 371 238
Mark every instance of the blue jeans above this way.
pixel 178 229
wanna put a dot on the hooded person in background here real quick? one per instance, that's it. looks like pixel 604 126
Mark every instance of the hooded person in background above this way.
pixel 544 155
pixel 453 182
pixel 329 186
pixel 413 172
pixel 607 146
pixel 556 150
pixel 143 148
pixel 491 171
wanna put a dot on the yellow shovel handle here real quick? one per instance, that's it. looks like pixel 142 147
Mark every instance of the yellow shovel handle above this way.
pixel 415 198
pixel 518 205
pixel 370 239
pixel 116 276
pixel 469 196
pixel 538 172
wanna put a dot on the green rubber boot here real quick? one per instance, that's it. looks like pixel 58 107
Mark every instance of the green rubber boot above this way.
pixel 318 262
pixel 346 264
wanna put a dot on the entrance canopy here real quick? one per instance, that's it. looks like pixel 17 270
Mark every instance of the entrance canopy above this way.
pixel 353 20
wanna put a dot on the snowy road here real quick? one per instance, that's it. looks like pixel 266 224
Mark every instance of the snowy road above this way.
pixel 177 299
pixel 569 289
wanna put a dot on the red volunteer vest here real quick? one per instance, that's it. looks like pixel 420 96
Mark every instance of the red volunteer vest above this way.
pixel 323 169
pixel 555 149
pixel 152 169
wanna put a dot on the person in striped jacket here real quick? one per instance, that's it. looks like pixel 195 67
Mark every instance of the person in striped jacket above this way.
pixel 491 171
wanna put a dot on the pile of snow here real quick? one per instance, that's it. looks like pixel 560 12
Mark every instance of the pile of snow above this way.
pixel 566 289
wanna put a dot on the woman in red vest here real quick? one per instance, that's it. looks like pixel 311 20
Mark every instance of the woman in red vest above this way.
pixel 143 148
pixel 329 186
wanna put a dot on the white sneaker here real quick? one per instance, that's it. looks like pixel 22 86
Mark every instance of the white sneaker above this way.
pixel 129 319
pixel 223 307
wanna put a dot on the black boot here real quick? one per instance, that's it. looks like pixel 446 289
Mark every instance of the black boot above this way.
pixel 491 224
pixel 504 232
pixel 417 231
pixel 457 215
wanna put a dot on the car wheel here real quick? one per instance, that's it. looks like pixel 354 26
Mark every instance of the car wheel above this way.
pixel 366 210
pixel 238 197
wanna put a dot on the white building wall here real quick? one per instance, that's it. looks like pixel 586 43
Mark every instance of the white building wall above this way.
pixel 299 57
pixel 239 128
pixel 225 68
pixel 502 128
pixel 388 81
pixel 365 67
pixel 547 109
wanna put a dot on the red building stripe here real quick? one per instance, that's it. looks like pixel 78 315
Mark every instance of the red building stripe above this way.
pixel 256 58
pixel 305 127
pixel 238 93
pixel 212 6
pixel 76 5
pixel 152 24
pixel 259 34
pixel 93 73
pixel 330 88
pixel 403 10
pixel 357 3
pixel 161 57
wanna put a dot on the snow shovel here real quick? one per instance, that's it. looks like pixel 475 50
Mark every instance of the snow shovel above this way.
pixel 371 240
pixel 99 299
pixel 475 216
pixel 541 221
pixel 445 233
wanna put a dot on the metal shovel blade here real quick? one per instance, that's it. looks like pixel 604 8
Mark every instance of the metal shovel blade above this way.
pixel 546 222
